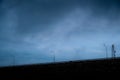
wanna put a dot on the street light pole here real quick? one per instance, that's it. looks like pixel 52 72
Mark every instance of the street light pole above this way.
pixel 106 51
pixel 53 54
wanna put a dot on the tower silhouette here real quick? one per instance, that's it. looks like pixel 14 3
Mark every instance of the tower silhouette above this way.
pixel 113 51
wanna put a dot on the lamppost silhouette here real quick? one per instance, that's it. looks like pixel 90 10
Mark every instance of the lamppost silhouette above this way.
pixel 53 53
pixel 13 59
pixel 106 51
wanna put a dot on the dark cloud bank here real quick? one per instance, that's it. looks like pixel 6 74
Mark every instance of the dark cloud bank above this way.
pixel 32 31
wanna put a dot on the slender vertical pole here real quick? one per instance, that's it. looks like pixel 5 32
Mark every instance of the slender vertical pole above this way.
pixel 14 60
pixel 113 51
pixel 54 56
pixel 106 51
pixel 53 53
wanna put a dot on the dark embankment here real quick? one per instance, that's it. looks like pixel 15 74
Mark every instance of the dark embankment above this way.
pixel 80 68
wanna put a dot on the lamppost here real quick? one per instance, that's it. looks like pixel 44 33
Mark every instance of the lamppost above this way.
pixel 53 53
pixel 106 51
pixel 13 59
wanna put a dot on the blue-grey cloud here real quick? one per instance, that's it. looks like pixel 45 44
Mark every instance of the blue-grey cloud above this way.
pixel 36 30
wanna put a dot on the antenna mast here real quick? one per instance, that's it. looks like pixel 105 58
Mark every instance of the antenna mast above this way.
pixel 113 51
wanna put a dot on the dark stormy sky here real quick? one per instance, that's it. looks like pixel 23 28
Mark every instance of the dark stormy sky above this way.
pixel 34 31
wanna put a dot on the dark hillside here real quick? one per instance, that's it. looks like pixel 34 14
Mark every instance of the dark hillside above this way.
pixel 80 68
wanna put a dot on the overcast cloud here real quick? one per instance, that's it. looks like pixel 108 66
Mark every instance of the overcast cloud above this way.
pixel 32 31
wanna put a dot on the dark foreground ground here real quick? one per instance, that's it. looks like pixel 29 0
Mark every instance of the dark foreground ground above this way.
pixel 91 68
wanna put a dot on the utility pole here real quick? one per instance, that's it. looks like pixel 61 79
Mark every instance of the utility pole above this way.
pixel 54 57
pixel 53 53
pixel 13 59
pixel 14 63
pixel 106 51
pixel 113 51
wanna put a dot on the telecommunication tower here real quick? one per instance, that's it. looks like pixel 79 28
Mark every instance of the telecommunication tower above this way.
pixel 113 51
